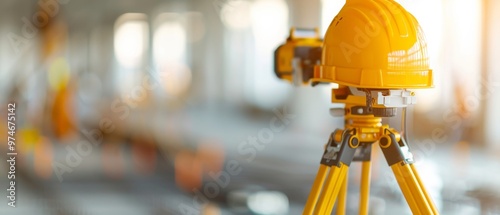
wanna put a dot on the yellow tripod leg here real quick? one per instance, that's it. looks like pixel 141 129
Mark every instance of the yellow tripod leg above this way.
pixel 399 158
pixel 405 188
pixel 316 189
pixel 341 204
pixel 329 195
pixel 336 160
pixel 426 194
pixel 411 189
pixel 365 187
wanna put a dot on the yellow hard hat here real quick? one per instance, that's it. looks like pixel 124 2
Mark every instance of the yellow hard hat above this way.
pixel 375 44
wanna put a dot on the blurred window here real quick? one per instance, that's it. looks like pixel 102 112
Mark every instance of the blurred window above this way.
pixel 169 53
pixel 269 21
pixel 131 39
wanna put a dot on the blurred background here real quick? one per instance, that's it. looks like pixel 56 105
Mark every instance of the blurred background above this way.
pixel 172 107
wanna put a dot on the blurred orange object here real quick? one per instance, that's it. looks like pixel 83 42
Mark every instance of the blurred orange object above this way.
pixel 42 158
pixel 211 209
pixel 113 160
pixel 188 171
pixel 54 36
pixel 211 154
pixel 63 112
pixel 144 157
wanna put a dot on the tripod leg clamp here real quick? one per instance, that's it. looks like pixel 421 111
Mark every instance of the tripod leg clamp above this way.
pixel 335 154
pixel 395 151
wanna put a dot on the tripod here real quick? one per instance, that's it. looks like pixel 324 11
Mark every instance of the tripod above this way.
pixel 354 143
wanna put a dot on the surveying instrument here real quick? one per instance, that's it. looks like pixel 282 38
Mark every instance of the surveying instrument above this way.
pixel 375 51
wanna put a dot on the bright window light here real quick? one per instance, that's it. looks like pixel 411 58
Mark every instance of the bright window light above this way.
pixel 169 43
pixel 131 39
pixel 170 54
pixel 270 29
pixel 269 16
pixel 236 14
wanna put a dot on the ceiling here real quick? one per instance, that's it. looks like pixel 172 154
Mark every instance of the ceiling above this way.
pixel 83 14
